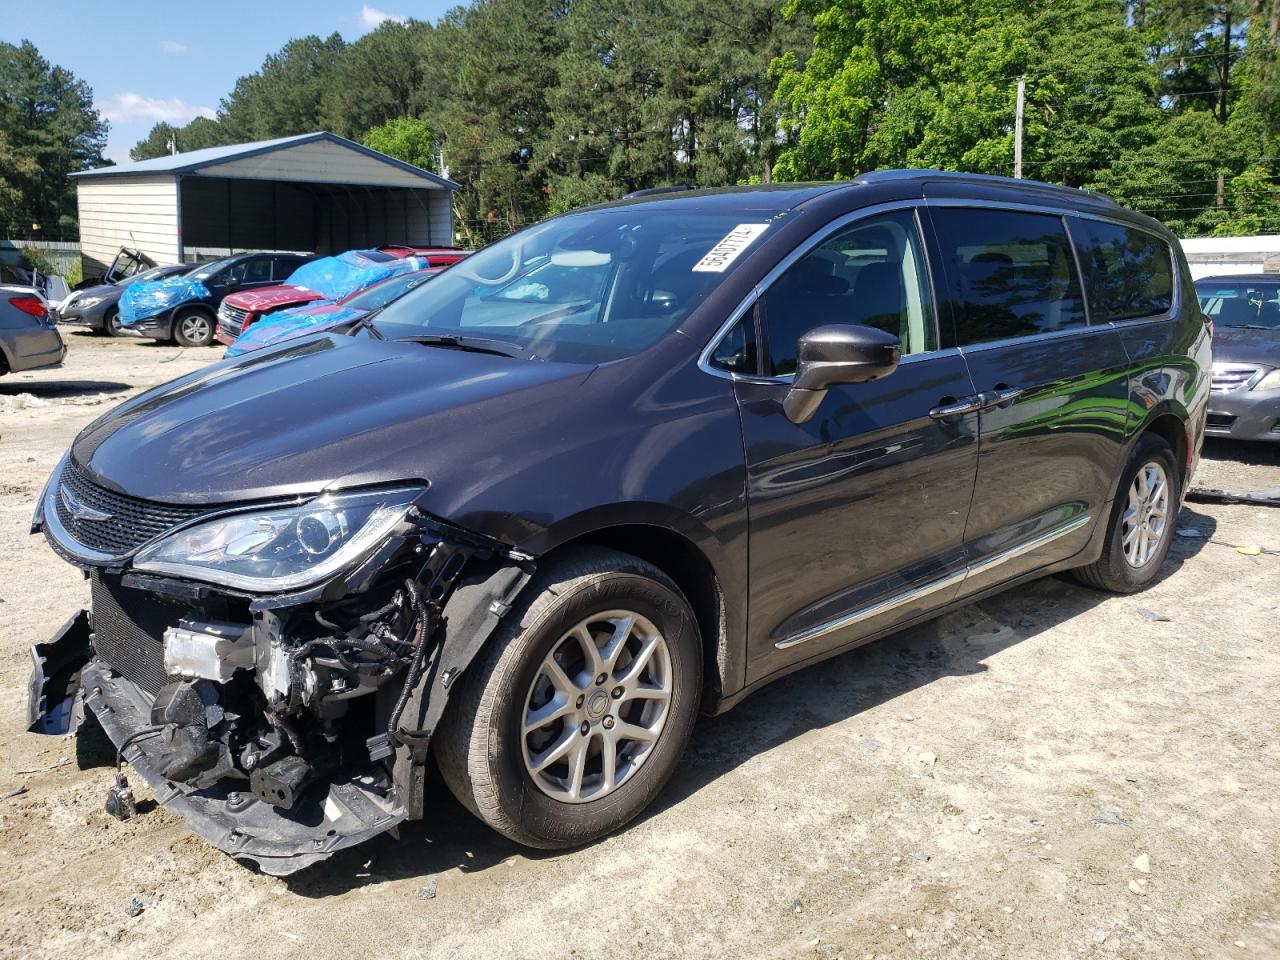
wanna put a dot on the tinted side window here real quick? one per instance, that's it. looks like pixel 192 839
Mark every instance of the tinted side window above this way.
pixel 1009 274
pixel 1127 272
pixel 872 273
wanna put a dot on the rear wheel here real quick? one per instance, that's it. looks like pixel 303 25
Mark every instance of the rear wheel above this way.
pixel 193 328
pixel 1142 521
pixel 577 712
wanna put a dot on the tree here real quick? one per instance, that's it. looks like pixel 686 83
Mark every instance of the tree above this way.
pixel 286 96
pixel 50 129
pixel 405 138
pixel 377 79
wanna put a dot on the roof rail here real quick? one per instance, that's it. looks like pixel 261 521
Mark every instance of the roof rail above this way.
pixel 654 191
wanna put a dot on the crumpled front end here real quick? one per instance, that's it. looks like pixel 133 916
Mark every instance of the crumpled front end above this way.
pixel 284 725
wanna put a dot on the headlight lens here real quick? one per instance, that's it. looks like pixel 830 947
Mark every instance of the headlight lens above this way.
pixel 1270 382
pixel 282 549
pixel 84 303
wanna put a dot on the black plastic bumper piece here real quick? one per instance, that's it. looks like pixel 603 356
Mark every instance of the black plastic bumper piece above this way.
pixel 342 811
pixel 53 705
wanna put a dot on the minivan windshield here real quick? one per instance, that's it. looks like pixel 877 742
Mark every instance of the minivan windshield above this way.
pixel 585 288
pixel 1241 303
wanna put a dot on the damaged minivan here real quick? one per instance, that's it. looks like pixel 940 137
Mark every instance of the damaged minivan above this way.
pixel 626 465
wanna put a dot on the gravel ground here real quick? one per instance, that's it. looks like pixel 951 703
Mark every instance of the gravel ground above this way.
pixel 1049 773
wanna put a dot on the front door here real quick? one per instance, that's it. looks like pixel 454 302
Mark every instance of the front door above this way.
pixel 856 516
pixel 1054 388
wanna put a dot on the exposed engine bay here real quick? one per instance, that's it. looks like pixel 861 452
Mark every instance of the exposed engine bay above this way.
pixel 283 728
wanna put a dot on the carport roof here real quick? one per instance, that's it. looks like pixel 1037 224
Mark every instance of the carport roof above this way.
pixel 197 161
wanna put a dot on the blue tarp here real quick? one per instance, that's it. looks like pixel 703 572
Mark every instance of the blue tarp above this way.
pixel 337 277
pixel 153 297
pixel 296 322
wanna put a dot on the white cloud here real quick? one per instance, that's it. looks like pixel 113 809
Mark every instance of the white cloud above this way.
pixel 173 46
pixel 128 107
pixel 371 17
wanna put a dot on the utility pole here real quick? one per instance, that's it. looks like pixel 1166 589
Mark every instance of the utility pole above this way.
pixel 1017 129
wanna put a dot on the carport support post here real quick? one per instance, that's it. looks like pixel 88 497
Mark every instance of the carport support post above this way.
pixel 177 194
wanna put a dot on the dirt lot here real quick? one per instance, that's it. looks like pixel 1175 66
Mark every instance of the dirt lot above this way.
pixel 1051 773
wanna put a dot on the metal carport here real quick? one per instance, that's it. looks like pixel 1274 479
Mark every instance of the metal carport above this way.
pixel 316 192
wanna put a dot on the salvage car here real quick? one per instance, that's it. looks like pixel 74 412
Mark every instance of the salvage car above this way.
pixel 629 463
pixel 98 307
pixel 126 263
pixel 327 279
pixel 29 337
pixel 431 256
pixel 321 316
pixel 183 308
pixel 1245 311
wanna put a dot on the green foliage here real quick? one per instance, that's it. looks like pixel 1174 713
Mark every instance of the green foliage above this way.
pixel 48 129
pixel 1123 97
pixel 541 106
pixel 34 259
pixel 405 138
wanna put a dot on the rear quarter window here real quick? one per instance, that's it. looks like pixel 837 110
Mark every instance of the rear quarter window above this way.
pixel 1128 273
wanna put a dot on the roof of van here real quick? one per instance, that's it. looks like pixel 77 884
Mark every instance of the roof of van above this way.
pixel 785 196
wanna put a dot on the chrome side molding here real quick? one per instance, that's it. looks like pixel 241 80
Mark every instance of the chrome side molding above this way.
pixel 933 586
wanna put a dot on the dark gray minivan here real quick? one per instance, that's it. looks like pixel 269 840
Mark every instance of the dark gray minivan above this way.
pixel 629 463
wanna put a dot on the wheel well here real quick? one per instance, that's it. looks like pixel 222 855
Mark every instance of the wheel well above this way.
pixel 1174 433
pixel 685 564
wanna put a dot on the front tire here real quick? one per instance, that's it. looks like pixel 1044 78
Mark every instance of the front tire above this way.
pixel 1143 518
pixel 193 328
pixel 577 711
pixel 111 326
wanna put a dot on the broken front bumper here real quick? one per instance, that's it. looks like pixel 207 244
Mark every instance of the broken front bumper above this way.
pixel 343 811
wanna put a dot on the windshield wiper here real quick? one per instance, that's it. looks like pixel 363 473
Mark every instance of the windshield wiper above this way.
pixel 365 323
pixel 501 348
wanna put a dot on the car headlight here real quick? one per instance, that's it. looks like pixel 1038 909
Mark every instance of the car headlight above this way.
pixel 1270 382
pixel 284 548
pixel 84 303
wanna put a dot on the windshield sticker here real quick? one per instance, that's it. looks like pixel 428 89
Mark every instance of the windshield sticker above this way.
pixel 730 248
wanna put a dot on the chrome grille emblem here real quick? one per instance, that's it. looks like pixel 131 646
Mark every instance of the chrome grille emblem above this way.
pixel 79 510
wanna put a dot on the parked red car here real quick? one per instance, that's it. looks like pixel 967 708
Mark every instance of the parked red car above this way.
pixel 327 279
pixel 241 310
pixel 435 256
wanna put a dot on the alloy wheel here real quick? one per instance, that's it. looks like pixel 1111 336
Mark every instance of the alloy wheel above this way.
pixel 195 328
pixel 1145 520
pixel 596 706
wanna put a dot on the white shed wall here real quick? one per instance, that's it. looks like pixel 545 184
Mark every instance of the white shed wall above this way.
pixel 137 212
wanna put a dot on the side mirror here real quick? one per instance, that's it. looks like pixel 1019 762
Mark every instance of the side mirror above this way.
pixel 835 354
pixel 230 285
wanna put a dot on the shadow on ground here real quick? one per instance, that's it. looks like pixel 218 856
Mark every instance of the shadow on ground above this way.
pixel 1254 453
pixel 62 388
pixel 811 699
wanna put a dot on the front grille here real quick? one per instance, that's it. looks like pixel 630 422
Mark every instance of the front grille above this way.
pixel 131 522
pixel 231 320
pixel 1229 377
pixel 128 631
pixel 1219 421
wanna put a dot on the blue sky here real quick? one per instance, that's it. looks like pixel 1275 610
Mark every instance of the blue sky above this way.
pixel 149 61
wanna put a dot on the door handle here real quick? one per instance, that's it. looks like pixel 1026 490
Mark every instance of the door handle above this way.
pixel 1001 397
pixel 955 408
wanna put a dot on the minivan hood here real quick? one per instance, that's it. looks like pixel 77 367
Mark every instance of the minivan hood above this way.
pixel 322 412
pixel 1244 345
